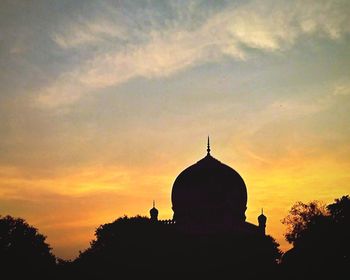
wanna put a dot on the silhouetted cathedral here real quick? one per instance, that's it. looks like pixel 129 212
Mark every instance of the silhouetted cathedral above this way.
pixel 210 197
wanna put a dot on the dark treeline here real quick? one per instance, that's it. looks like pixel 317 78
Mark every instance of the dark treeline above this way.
pixel 139 248
pixel 320 237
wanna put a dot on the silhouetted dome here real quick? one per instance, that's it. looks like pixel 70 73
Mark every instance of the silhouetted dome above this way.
pixel 262 219
pixel 209 192
pixel 153 211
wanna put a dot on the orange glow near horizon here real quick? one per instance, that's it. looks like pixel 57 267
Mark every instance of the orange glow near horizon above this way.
pixel 91 196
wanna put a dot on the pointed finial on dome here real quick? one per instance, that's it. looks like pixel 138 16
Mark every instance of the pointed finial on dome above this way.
pixel 208 146
pixel 262 211
pixel 154 204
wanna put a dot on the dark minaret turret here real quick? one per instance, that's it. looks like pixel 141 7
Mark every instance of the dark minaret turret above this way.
pixel 154 213
pixel 262 221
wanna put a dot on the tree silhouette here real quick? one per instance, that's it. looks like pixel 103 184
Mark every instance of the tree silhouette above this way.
pixel 340 217
pixel 340 210
pixel 23 251
pixel 320 238
pixel 138 247
pixel 301 217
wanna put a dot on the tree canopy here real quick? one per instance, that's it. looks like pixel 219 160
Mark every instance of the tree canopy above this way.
pixel 320 237
pixel 23 250
pixel 138 246
pixel 301 217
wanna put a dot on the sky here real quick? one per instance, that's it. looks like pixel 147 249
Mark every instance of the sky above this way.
pixel 104 103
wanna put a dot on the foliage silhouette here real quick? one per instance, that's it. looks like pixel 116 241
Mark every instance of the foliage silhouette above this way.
pixel 137 247
pixel 300 217
pixel 320 238
pixel 23 251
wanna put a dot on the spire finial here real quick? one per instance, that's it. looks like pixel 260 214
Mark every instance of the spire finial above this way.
pixel 208 146
pixel 262 211
pixel 154 204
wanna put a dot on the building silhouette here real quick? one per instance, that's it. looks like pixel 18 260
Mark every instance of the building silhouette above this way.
pixel 207 237
pixel 210 197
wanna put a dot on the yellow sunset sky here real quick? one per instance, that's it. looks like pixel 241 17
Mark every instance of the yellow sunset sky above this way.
pixel 104 103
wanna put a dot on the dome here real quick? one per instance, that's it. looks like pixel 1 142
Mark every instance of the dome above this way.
pixel 262 218
pixel 154 212
pixel 209 192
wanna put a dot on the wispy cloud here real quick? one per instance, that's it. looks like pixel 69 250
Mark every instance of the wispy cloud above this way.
pixel 342 88
pixel 87 32
pixel 164 51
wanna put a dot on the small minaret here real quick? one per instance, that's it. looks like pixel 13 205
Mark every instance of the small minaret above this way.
pixel 262 221
pixel 154 213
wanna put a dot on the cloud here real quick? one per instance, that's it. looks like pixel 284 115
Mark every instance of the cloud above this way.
pixel 342 88
pixel 85 32
pixel 162 51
